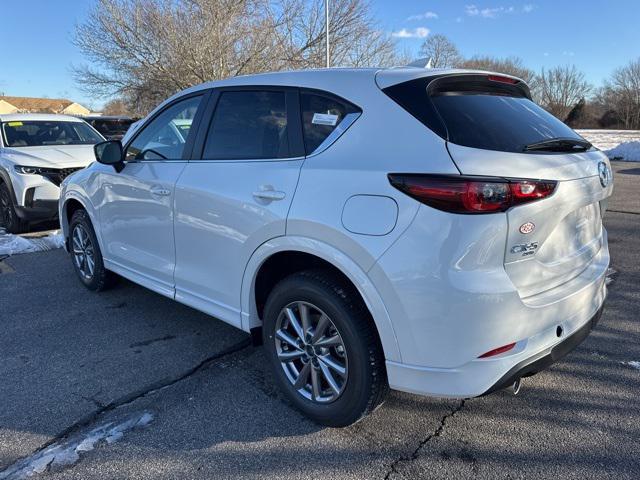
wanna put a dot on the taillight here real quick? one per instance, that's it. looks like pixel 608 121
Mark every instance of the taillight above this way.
pixel 460 194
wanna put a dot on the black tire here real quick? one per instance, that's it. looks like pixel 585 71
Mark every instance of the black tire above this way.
pixel 8 216
pixel 366 382
pixel 101 278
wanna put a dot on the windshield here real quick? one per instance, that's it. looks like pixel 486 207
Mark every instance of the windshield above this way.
pixel 37 133
pixel 498 122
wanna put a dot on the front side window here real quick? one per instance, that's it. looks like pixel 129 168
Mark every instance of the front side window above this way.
pixel 248 125
pixel 38 133
pixel 165 137
pixel 321 115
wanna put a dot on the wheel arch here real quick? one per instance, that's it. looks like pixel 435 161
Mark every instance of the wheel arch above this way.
pixel 6 179
pixel 279 257
pixel 73 202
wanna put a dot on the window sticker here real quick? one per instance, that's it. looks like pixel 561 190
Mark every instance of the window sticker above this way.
pixel 14 124
pixel 324 119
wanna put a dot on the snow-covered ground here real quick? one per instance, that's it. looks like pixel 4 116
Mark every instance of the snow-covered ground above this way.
pixel 14 244
pixel 66 452
pixel 617 144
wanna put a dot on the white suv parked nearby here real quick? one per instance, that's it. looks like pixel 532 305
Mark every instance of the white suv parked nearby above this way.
pixel 432 231
pixel 37 152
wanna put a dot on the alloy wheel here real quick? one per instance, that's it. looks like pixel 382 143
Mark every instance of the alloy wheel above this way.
pixel 83 252
pixel 311 352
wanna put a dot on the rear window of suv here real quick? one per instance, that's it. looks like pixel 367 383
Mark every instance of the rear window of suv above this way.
pixel 476 112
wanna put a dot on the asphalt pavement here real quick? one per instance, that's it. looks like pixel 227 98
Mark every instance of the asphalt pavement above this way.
pixel 74 363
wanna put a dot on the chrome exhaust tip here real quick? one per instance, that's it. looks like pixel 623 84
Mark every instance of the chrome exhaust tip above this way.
pixel 515 388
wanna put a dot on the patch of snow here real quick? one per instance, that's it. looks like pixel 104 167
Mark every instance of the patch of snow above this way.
pixel 633 364
pixel 67 452
pixel 629 151
pixel 616 144
pixel 14 244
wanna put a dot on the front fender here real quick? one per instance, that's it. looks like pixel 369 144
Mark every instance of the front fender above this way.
pixel 74 194
pixel 348 267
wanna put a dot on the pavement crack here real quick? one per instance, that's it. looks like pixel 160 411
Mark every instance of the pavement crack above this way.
pixel 393 468
pixel 146 343
pixel 138 394
pixel 91 399
pixel 622 211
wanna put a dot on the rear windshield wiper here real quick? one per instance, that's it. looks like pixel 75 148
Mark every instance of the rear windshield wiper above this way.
pixel 559 145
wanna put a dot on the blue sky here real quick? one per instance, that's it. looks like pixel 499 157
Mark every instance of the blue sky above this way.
pixel 596 36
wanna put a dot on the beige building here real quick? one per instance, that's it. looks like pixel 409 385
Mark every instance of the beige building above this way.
pixel 41 105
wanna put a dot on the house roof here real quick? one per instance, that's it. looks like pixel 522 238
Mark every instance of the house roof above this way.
pixel 41 104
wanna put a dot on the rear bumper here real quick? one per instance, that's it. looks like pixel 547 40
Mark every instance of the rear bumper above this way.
pixel 483 376
pixel 547 357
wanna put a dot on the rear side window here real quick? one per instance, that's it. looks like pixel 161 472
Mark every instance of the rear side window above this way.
pixel 480 114
pixel 248 125
pixel 321 115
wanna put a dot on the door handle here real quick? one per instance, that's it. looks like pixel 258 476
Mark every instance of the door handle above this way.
pixel 162 192
pixel 269 195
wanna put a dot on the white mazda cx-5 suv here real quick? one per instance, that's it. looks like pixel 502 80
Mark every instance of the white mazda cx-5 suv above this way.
pixel 431 231
pixel 37 152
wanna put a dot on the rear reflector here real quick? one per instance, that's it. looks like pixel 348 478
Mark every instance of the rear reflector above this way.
pixel 498 351
pixel 460 194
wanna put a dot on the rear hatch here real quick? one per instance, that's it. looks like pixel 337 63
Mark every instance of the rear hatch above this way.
pixel 494 129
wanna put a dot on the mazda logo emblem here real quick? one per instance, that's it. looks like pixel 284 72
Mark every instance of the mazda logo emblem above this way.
pixel 603 173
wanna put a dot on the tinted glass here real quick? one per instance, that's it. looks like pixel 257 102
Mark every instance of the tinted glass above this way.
pixel 43 133
pixel 248 125
pixel 165 137
pixel 320 116
pixel 497 122
pixel 111 127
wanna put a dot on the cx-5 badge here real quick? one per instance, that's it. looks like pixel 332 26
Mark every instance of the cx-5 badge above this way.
pixel 525 248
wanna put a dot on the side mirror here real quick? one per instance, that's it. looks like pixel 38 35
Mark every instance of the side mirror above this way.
pixel 110 153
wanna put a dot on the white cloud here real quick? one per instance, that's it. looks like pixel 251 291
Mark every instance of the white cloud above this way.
pixel 420 32
pixel 423 16
pixel 546 54
pixel 494 12
pixel 472 10
pixel 568 53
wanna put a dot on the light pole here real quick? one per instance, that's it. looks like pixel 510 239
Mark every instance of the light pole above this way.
pixel 326 14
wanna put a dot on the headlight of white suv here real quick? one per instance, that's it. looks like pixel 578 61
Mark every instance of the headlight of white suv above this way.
pixel 28 170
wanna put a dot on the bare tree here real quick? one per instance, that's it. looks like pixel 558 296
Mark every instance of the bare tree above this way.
pixel 561 88
pixel 145 50
pixel 621 94
pixel 441 51
pixel 116 106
